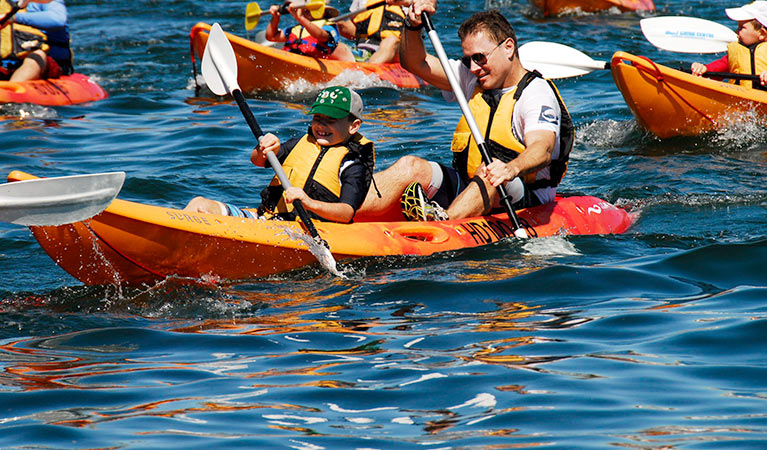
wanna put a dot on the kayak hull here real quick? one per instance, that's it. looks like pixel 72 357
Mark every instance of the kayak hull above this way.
pixel 66 90
pixel 557 7
pixel 133 243
pixel 264 68
pixel 669 102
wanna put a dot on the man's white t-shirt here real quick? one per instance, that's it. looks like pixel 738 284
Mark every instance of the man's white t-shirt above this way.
pixel 536 109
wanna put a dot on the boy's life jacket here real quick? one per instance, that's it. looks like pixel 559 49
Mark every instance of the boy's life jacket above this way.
pixel 751 60
pixel 315 169
pixel 494 119
pixel 378 23
pixel 17 41
pixel 300 41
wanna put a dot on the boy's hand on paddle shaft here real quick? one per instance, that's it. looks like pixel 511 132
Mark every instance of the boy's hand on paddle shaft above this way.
pixel 698 69
pixel 295 193
pixel 267 143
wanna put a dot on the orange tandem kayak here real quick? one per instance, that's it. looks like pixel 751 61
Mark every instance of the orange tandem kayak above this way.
pixel 66 90
pixel 133 243
pixel 263 68
pixel 669 102
pixel 556 7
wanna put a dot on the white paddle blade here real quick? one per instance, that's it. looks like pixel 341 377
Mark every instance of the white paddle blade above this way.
pixel 219 64
pixel 60 200
pixel 554 60
pixel 687 34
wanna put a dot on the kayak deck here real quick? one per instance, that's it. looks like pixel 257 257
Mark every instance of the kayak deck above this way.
pixel 669 102
pixel 264 68
pixel 66 90
pixel 135 243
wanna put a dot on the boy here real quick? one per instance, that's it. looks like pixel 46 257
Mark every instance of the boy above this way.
pixel 377 30
pixel 749 54
pixel 316 39
pixel 330 168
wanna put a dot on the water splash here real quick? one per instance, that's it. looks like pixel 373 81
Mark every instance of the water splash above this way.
pixel 319 250
pixel 550 246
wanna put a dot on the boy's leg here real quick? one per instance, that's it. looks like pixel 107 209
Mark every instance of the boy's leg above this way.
pixel 391 183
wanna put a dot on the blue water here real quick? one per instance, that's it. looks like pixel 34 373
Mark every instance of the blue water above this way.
pixel 651 339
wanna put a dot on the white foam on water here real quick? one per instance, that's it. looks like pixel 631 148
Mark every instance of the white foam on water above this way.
pixel 25 111
pixel 350 78
pixel 550 246
pixel 606 133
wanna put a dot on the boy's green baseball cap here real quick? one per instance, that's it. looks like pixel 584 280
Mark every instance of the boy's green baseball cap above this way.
pixel 337 102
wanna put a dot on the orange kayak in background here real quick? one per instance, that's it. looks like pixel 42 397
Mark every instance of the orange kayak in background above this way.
pixel 669 102
pixel 133 243
pixel 264 68
pixel 66 90
pixel 557 7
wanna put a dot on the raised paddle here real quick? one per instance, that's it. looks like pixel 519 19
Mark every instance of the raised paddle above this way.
pixel 253 12
pixel 519 230
pixel 554 60
pixel 219 69
pixel 10 14
pixel 687 34
pixel 59 200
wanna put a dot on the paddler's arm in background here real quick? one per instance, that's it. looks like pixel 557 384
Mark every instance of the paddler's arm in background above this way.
pixel 412 52
pixel 304 17
pixel 273 32
pixel 53 16
pixel 537 154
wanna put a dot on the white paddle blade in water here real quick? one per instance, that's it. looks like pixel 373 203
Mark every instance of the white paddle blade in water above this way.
pixel 60 200
pixel 687 34
pixel 554 60
pixel 219 64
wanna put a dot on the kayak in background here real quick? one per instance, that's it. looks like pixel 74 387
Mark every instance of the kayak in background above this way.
pixel 669 102
pixel 66 90
pixel 557 7
pixel 265 68
pixel 133 243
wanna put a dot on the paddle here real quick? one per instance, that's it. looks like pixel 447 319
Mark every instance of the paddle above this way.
pixel 253 12
pixel 59 200
pixel 219 69
pixel 554 60
pixel 687 34
pixel 355 12
pixel 10 14
pixel 519 230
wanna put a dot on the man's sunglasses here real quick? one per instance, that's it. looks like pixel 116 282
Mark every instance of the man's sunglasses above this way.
pixel 479 58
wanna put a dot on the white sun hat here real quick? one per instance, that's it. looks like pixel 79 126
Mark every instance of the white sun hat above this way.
pixel 755 10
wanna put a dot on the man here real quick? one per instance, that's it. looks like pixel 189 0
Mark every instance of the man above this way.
pixel 530 132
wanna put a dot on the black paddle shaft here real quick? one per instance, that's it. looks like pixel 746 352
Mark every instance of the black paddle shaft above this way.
pixel 257 132
pixel 730 75
pixel 484 151
pixel 10 14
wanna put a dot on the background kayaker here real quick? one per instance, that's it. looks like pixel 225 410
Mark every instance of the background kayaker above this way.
pixel 45 35
pixel 314 38
pixel 532 136
pixel 749 54
pixel 376 32
pixel 330 168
